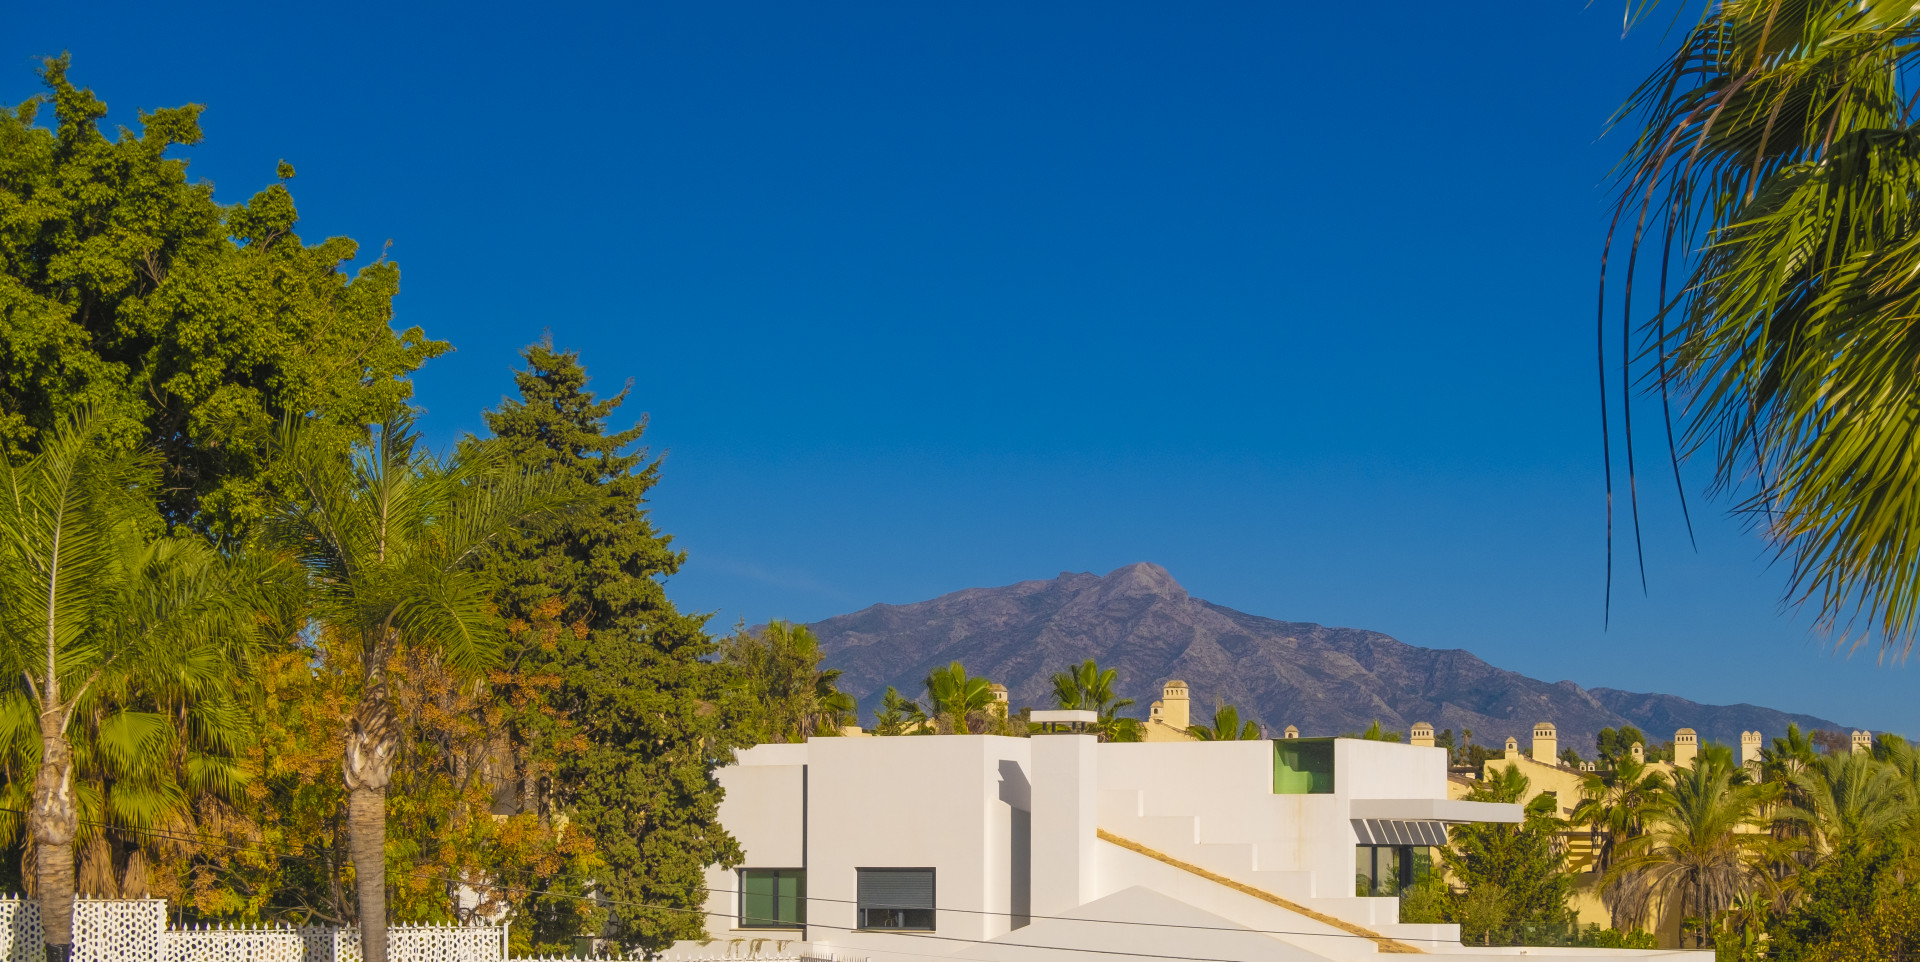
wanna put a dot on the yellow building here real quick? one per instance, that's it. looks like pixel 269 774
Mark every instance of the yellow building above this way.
pixel 1547 775
pixel 1168 718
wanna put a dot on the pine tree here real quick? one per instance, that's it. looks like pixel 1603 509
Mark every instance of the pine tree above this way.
pixel 650 716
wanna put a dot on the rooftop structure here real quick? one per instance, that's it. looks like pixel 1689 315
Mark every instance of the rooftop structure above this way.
pixel 1168 718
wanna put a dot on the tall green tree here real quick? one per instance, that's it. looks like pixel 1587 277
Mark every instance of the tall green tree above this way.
pixel 1612 805
pixel 191 327
pixel 1853 800
pixel 391 539
pixel 1515 878
pixel 1848 891
pixel 899 715
pixel 638 679
pixel 1704 845
pixel 1615 744
pixel 1776 171
pixel 104 619
pixel 777 668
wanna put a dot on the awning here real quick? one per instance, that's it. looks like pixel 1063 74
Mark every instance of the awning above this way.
pixel 1450 810
pixel 1393 831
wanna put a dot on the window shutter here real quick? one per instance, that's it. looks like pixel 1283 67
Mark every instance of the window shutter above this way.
pixel 896 888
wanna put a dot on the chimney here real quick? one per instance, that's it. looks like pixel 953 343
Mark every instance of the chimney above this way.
pixel 1546 744
pixel 1513 746
pixel 1750 749
pixel 1291 732
pixel 999 693
pixel 1173 698
pixel 1639 752
pixel 1065 824
pixel 1686 747
pixel 1422 735
pixel 1862 742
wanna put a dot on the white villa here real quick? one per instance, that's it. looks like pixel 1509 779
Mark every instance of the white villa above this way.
pixel 1057 848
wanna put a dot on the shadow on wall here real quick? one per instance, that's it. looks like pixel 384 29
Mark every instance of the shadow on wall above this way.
pixel 1017 792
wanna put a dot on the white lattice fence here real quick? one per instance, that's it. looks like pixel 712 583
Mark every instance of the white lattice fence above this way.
pixel 135 930
pixel 415 943
pixel 676 957
pixel 118 930
pixel 20 933
pixel 737 950
pixel 235 943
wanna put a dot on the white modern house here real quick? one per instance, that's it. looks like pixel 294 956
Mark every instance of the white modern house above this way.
pixel 1055 847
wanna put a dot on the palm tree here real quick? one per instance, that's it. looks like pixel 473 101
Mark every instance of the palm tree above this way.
pixel 1776 168
pixel 1612 802
pixel 1852 799
pixel 779 665
pixel 1703 845
pixel 1611 807
pixel 1782 765
pixel 1090 687
pixel 391 538
pixel 958 701
pixel 833 708
pixel 103 620
pixel 1226 727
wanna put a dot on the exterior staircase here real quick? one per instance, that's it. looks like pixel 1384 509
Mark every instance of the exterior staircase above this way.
pixel 1179 839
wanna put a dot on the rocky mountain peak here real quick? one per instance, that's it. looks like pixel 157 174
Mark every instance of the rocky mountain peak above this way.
pixel 1142 578
pixel 1139 620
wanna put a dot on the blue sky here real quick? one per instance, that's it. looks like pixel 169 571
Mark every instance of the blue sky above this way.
pixel 1294 301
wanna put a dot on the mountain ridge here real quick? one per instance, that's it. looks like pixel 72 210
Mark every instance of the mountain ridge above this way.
pixel 1324 680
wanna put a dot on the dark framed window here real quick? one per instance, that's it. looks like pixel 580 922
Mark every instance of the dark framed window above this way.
pixel 1389 869
pixel 773 898
pixel 895 898
pixel 1303 766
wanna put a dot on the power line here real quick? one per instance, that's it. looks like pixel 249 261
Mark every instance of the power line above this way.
pixel 158 833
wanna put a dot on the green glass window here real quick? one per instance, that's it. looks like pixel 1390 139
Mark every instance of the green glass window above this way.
pixel 1303 766
pixel 773 898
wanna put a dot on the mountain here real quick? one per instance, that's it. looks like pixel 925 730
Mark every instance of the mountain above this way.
pixel 1324 680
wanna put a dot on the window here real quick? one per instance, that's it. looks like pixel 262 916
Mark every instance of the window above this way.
pixel 1303 766
pixel 1389 869
pixel 896 898
pixel 773 898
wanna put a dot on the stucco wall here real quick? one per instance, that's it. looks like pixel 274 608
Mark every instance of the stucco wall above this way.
pixel 958 804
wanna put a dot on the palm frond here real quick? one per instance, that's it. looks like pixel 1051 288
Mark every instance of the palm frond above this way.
pixel 1774 160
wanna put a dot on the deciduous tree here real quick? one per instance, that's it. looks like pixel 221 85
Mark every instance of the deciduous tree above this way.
pixel 192 325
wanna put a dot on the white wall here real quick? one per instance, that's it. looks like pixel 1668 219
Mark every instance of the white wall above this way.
pixel 958 804
pixel 1228 786
pixel 1066 813
pixel 1364 769
pixel 765 809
